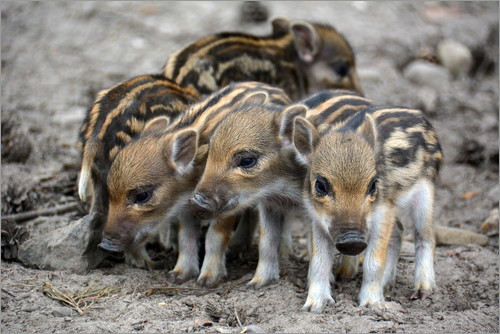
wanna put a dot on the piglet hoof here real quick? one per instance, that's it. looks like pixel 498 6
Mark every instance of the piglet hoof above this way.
pixel 257 283
pixel 178 278
pixel 209 282
pixel 420 294
pixel 317 298
pixel 370 300
pixel 317 307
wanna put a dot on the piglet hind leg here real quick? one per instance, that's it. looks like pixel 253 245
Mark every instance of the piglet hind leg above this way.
pixel 374 264
pixel 286 255
pixel 187 266
pixel 420 207
pixel 271 222
pixel 393 253
pixel 347 266
pixel 139 258
pixel 213 270
pixel 168 234
pixel 241 240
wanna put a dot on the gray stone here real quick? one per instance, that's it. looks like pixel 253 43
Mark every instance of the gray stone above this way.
pixel 252 329
pixel 455 56
pixel 427 74
pixel 72 247
pixel 62 312
pixel 388 311
pixel 253 11
pixel 387 307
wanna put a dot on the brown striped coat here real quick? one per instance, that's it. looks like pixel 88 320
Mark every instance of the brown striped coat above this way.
pixel 117 116
pixel 152 178
pixel 251 161
pixel 298 57
pixel 364 168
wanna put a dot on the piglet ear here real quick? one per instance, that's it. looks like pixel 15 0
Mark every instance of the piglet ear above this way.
pixel 285 122
pixel 306 40
pixel 157 123
pixel 183 148
pixel 260 97
pixel 280 25
pixel 368 130
pixel 305 138
pixel 201 153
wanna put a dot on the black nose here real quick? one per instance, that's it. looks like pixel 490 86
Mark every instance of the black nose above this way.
pixel 351 243
pixel 201 206
pixel 112 248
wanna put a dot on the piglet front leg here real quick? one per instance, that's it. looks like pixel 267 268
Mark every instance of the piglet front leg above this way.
pixel 320 271
pixel 213 270
pixel 187 266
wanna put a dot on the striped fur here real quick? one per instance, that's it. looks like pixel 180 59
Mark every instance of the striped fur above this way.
pixel 364 166
pixel 333 106
pixel 274 182
pixel 117 116
pixel 206 115
pixel 298 57
pixel 152 178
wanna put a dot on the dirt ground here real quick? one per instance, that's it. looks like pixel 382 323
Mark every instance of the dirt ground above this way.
pixel 57 55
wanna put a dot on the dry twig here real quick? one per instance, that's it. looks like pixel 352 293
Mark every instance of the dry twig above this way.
pixel 80 301
pixel 237 318
pixel 22 216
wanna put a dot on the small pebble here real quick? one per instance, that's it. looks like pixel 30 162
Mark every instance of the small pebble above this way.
pixel 253 11
pixel 455 56
pixel 427 74
pixel 62 312
pixel 16 144
pixel 252 329
pixel 30 309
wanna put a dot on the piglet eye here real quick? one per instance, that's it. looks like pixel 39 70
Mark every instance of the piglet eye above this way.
pixel 372 188
pixel 143 197
pixel 247 162
pixel 341 68
pixel 321 186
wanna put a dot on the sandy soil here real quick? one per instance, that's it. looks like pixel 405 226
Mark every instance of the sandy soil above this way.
pixel 56 56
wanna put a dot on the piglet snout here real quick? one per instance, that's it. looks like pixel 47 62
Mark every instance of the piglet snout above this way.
pixel 109 246
pixel 351 243
pixel 201 206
